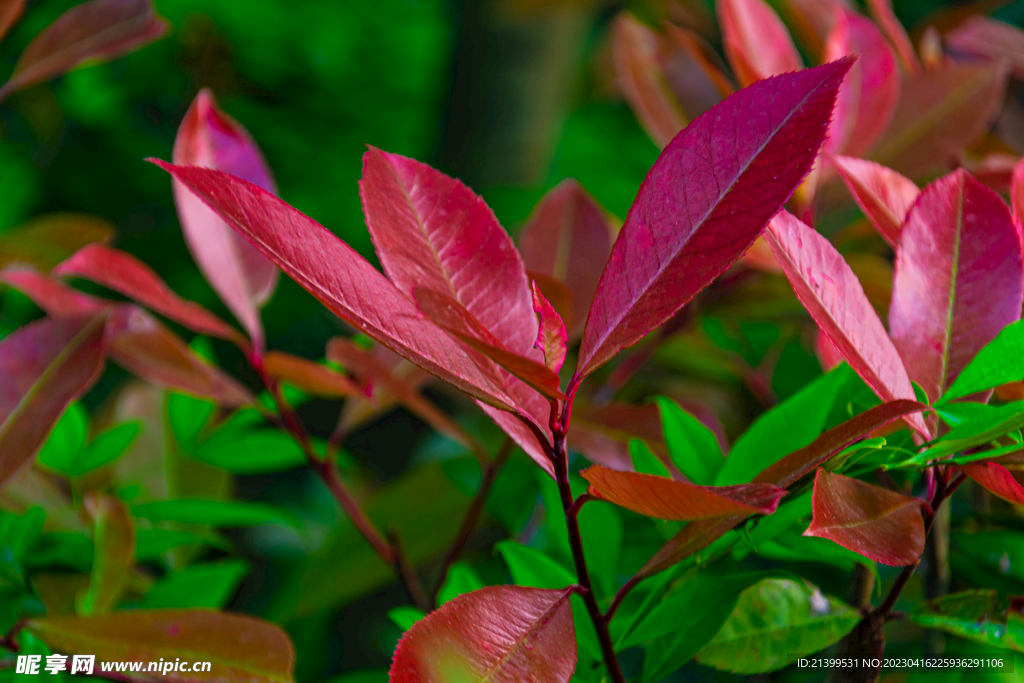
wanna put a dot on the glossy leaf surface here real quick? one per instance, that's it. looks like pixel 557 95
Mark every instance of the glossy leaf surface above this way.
pixel 498 634
pixel 431 231
pixel 833 296
pixel 680 234
pixel 664 498
pixel 883 195
pixel 958 279
pixel 999 362
pixel 242 277
pixel 569 238
pixel 875 522
pixel 242 648
pixel 756 41
pixel 45 365
pixel 95 30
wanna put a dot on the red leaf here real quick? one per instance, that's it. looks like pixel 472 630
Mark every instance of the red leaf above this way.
pixel 529 429
pixel 242 277
pixel 50 294
pixel 833 296
pixel 884 195
pixel 45 365
pixel 881 12
pixel 10 12
pixel 431 231
pixel 664 498
pixel 784 473
pixel 569 238
pixel 874 78
pixel 1017 199
pixel 958 279
pixel 309 376
pixel 96 30
pixel 877 523
pixel 827 353
pixel 122 272
pixel 498 634
pixel 988 38
pixel 551 337
pixel 939 115
pixel 341 279
pixel 705 201
pixel 454 318
pixel 756 42
pixel 996 479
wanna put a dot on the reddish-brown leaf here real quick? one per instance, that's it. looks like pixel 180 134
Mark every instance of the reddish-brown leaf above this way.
pixel 242 277
pixel 958 279
pixel 113 537
pixel 498 634
pixel 996 479
pixel 46 240
pixel 705 201
pixel 432 231
pixel 243 649
pixel 603 434
pixel 122 272
pixel 877 523
pixel 884 195
pixel 95 30
pixel 833 296
pixel 757 43
pixel 10 12
pixel 827 353
pixel 636 53
pixel 874 81
pixel 784 473
pixel 44 365
pixel 454 318
pixel 986 38
pixel 309 376
pixel 551 337
pixel 881 12
pixel 569 238
pixel 341 279
pixel 664 498
pixel 939 115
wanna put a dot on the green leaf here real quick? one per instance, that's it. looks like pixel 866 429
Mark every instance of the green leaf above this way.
pixel 999 362
pixel 405 617
pixel 262 451
pixel 787 427
pixel 995 422
pixel 693 447
pixel 217 513
pixel 644 461
pixel 105 448
pixel 794 547
pixel 362 676
pixel 63 549
pixel 66 439
pixel 188 415
pixel 773 620
pixel 461 579
pixel 533 568
pixel 994 559
pixel 978 615
pixel 688 617
pixel 153 544
pixel 202 585
pixel 17 534
pixel 114 540
pixel 602 531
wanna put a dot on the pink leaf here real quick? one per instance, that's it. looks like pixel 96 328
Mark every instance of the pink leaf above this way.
pixel 455 319
pixel 883 195
pixel 529 427
pixel 705 201
pixel 124 273
pixel 996 479
pixel 551 337
pixel 827 353
pixel 990 39
pixel 756 41
pixel 242 277
pixel 569 238
pixel 874 77
pixel 497 634
pixel 940 114
pixel 1017 200
pixel 881 12
pixel 664 498
pixel 341 279
pixel 431 231
pixel 95 30
pixel 835 299
pixel 45 364
pixel 958 279
pixel 878 523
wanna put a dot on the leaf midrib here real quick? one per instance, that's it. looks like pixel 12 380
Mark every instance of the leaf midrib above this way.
pixel 566 593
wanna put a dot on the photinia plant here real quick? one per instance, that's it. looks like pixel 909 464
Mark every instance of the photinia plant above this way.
pixel 745 172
